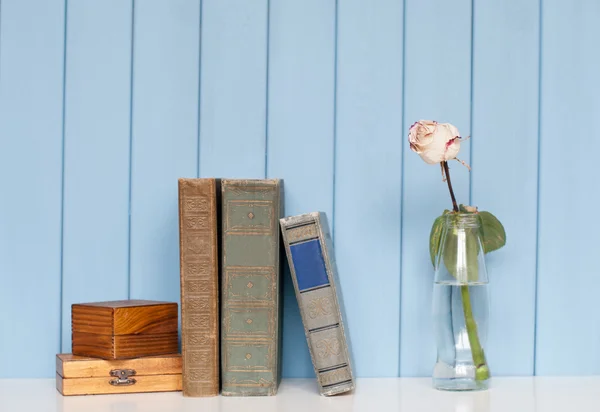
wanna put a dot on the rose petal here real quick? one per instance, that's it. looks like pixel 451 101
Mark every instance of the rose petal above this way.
pixel 422 132
pixel 415 148
pixel 450 129
pixel 452 149
pixel 436 150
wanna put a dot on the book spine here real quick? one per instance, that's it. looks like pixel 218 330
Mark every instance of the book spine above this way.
pixel 310 256
pixel 199 286
pixel 250 339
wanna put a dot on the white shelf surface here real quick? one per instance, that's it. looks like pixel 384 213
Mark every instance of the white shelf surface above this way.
pixel 540 394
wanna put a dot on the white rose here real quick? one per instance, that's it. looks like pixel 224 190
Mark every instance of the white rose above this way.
pixel 434 142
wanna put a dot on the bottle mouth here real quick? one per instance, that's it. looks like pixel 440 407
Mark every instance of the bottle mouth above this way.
pixel 463 220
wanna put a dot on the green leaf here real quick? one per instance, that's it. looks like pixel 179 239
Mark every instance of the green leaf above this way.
pixel 494 236
pixel 436 236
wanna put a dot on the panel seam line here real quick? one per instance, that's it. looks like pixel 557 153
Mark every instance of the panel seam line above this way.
pixel 471 103
pixel 539 161
pixel 199 91
pixel 267 89
pixel 62 194
pixel 335 119
pixel 131 88
pixel 402 169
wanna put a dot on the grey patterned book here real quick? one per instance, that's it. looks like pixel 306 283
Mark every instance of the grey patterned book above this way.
pixel 250 311
pixel 309 252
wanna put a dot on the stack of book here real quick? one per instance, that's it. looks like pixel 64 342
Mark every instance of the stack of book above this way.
pixel 230 289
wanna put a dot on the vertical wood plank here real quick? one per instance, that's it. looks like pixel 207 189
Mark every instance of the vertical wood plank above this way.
pixel 300 132
pixel 504 177
pixel 97 140
pixel 233 102
pixel 437 87
pixel 164 138
pixel 568 323
pixel 31 110
pixel 368 178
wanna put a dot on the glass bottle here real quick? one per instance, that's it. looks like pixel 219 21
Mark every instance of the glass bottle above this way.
pixel 460 305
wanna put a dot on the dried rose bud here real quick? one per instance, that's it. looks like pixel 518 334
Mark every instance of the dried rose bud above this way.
pixel 434 142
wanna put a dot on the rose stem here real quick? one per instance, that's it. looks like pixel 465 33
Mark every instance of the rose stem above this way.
pixel 447 170
pixel 482 372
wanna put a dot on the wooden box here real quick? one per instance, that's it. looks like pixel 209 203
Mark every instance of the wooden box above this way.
pixel 125 329
pixel 77 375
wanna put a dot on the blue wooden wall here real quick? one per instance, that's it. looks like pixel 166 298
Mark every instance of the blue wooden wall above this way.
pixel 103 104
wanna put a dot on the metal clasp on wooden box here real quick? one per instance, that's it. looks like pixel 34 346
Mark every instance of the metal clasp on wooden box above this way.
pixel 123 377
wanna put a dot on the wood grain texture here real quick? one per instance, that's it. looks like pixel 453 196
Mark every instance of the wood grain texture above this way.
pixel 142 320
pixel 199 279
pixel 133 346
pixel 89 319
pixel 100 386
pixel 125 317
pixel 124 346
pixel 73 366
pixel 90 344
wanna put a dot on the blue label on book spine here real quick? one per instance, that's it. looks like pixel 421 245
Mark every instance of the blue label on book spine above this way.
pixel 309 265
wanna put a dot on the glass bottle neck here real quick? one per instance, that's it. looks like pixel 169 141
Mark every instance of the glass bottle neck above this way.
pixel 463 220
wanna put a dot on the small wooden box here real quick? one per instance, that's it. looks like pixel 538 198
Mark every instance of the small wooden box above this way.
pixel 124 329
pixel 77 375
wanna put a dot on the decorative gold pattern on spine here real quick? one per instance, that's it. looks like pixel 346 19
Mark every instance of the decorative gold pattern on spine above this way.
pixel 250 287
pixel 335 376
pixel 301 233
pixel 319 306
pixel 199 286
pixel 328 347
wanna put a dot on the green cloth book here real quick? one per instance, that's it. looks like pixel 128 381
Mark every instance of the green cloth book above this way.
pixel 250 287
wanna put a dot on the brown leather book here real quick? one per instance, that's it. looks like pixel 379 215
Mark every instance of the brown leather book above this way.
pixel 199 263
